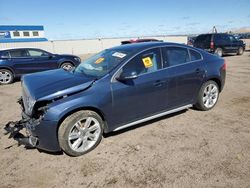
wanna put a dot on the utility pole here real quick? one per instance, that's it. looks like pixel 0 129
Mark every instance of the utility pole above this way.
pixel 214 30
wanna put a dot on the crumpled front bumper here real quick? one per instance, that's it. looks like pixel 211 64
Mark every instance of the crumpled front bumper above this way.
pixel 14 128
pixel 38 133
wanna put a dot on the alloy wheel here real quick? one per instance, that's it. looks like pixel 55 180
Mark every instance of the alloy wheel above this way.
pixel 210 95
pixel 67 67
pixel 84 134
pixel 5 77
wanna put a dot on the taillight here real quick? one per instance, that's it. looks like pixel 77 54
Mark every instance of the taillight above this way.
pixel 224 66
pixel 212 45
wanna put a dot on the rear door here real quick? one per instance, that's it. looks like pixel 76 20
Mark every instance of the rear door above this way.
pixel 21 61
pixel 186 73
pixel 42 60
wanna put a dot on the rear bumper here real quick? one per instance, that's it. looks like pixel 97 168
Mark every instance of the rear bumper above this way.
pixel 39 133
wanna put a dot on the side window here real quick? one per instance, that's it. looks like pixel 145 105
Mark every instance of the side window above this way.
pixel 146 62
pixel 225 38
pixel 5 54
pixel 18 53
pixel 175 56
pixel 218 38
pixel 37 53
pixel 194 56
pixel 232 38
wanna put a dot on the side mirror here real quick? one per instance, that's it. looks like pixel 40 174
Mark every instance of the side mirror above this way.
pixel 127 76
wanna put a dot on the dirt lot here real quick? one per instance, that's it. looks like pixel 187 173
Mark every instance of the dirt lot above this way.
pixel 188 149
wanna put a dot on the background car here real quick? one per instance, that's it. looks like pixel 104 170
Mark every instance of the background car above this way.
pixel 16 62
pixel 115 89
pixel 220 44
pixel 190 40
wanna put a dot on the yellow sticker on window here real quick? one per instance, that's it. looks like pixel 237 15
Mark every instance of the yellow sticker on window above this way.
pixel 147 62
pixel 99 60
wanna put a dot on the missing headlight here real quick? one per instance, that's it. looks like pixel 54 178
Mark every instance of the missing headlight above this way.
pixel 40 109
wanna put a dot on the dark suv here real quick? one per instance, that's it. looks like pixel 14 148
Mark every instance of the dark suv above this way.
pixel 16 62
pixel 220 44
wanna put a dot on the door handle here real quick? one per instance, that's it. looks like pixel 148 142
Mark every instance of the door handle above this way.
pixel 198 71
pixel 159 83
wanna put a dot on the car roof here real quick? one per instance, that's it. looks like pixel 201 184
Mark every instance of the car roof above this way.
pixel 214 34
pixel 143 45
pixel 17 48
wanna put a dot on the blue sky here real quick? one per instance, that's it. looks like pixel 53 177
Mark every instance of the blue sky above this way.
pixel 74 19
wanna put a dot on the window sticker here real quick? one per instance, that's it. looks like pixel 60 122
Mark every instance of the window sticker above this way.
pixel 99 60
pixel 147 62
pixel 119 54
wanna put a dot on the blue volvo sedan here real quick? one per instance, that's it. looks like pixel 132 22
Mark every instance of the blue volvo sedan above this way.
pixel 115 89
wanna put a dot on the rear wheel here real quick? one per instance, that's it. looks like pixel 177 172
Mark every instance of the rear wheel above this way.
pixel 208 96
pixel 6 76
pixel 80 133
pixel 219 52
pixel 67 66
pixel 240 51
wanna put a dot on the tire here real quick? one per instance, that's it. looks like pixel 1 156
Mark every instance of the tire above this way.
pixel 67 66
pixel 6 77
pixel 240 51
pixel 80 133
pixel 219 52
pixel 208 96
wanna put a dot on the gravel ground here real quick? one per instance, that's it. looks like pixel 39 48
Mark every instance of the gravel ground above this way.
pixel 187 149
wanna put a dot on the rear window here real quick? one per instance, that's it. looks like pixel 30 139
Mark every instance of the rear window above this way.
pixel 173 56
pixel 194 56
pixel 203 38
pixel 18 53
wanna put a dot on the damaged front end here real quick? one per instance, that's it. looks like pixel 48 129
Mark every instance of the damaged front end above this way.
pixel 27 124
pixel 14 128
pixel 41 114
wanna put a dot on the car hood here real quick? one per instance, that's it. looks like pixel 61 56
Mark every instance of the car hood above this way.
pixel 53 84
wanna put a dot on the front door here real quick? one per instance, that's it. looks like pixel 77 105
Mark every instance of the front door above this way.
pixel 143 96
pixel 42 60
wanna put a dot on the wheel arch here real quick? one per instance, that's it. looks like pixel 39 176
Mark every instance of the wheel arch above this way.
pixel 65 61
pixel 94 109
pixel 217 81
pixel 10 69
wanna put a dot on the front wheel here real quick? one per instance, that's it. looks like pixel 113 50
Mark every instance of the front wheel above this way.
pixel 6 77
pixel 67 66
pixel 80 133
pixel 208 96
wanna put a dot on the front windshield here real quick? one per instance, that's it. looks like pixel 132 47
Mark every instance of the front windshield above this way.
pixel 102 63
